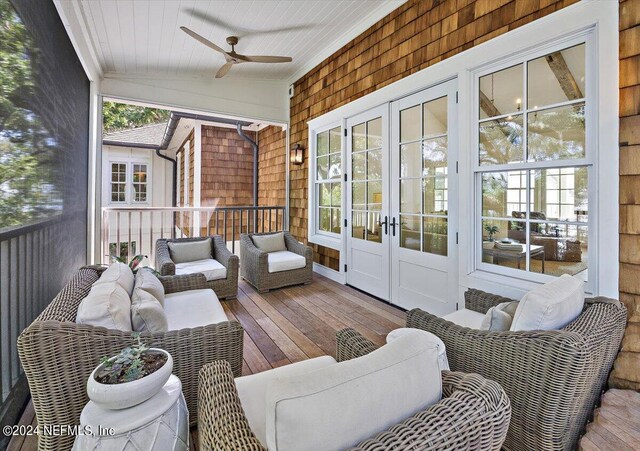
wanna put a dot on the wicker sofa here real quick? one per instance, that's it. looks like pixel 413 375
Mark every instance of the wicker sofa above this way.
pixel 226 288
pixel 473 413
pixel 553 378
pixel 255 265
pixel 58 355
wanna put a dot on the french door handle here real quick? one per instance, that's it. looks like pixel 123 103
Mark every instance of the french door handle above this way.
pixel 393 226
pixel 385 224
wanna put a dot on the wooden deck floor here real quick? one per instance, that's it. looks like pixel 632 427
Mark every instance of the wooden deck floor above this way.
pixel 289 325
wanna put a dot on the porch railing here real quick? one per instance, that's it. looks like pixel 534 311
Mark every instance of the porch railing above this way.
pixel 127 232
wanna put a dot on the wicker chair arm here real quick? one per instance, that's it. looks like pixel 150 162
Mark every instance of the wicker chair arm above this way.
pixel 296 247
pixel 254 261
pixel 350 344
pixel 480 301
pixel 223 254
pixel 183 282
pixel 222 424
pixel 164 265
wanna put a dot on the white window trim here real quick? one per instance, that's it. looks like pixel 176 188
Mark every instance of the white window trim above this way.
pixel 581 16
pixel 317 236
pixel 178 175
pixel 129 190
pixel 185 200
pixel 591 151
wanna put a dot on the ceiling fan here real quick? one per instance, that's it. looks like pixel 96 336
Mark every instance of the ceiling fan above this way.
pixel 232 57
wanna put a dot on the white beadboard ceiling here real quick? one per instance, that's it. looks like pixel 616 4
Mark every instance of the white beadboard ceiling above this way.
pixel 142 37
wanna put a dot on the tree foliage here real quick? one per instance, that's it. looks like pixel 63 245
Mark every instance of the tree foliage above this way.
pixel 120 116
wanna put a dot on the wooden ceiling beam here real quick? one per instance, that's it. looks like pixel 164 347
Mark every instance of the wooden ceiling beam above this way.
pixel 559 67
pixel 487 106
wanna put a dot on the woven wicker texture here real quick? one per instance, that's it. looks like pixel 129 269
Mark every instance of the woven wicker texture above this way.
pixel 255 268
pixel 224 288
pixel 473 414
pixel 553 378
pixel 58 355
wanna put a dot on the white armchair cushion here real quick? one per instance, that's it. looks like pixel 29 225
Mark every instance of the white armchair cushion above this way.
pixel 285 261
pixel 466 318
pixel 119 273
pixel 107 305
pixel 336 407
pixel 252 390
pixel 189 251
pixel 550 306
pixel 442 351
pixel 193 308
pixel 273 242
pixel 147 281
pixel 212 269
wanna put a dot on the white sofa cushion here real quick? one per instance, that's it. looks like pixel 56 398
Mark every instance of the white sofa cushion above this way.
pixel 193 308
pixel 466 318
pixel 442 351
pixel 107 305
pixel 550 306
pixel 252 390
pixel 212 269
pixel 189 251
pixel 119 273
pixel 340 405
pixel 285 261
pixel 272 242
pixel 147 281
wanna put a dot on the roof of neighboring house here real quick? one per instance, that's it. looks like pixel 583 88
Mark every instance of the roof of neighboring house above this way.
pixel 148 135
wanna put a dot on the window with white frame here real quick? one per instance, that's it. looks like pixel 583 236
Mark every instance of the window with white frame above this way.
pixel 118 182
pixel 139 178
pixel 533 164
pixel 328 181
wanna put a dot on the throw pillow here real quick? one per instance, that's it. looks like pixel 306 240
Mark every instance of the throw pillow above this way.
pixel 190 251
pixel 442 351
pixel 550 306
pixel 121 274
pixel 147 314
pixel 273 242
pixel 496 320
pixel 107 305
pixel 147 281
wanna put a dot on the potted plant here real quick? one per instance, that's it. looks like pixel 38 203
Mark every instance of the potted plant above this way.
pixel 136 263
pixel 134 375
pixel 491 230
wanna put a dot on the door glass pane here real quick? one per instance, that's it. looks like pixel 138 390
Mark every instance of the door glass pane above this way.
pixel 435 195
pixel 411 196
pixel 557 77
pixel 556 133
pixel 501 92
pixel 373 227
pixel 322 144
pixel 374 195
pixel 359 137
pixel 434 238
pixel 325 194
pixel 336 194
pixel 434 118
pixel 374 166
pixel 410 124
pixel 323 167
pixel 358 196
pixel 358 166
pixel 335 140
pixel 335 165
pixel 358 224
pixel 374 133
pixel 325 219
pixel 501 141
pixel 410 160
pixel 434 155
pixel 410 232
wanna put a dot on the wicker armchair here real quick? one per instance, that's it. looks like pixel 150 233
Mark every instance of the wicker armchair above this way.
pixel 58 355
pixel 553 378
pixel 473 414
pixel 224 288
pixel 255 268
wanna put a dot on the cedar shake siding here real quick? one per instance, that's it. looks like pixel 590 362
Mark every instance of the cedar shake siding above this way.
pixel 272 169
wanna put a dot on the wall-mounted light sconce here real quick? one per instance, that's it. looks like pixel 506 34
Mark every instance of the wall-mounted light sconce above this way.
pixel 518 104
pixel 297 155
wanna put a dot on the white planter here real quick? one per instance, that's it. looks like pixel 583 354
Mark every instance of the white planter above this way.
pixel 488 244
pixel 122 396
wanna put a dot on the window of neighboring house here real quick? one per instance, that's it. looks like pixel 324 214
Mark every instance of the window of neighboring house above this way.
pixel 533 165
pixel 139 178
pixel 328 181
pixel 118 182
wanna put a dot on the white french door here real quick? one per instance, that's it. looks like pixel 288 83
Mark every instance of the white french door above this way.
pixel 424 200
pixel 368 244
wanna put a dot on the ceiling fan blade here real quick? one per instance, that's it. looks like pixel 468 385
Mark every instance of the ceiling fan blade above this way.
pixel 223 70
pixel 268 59
pixel 237 30
pixel 206 42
